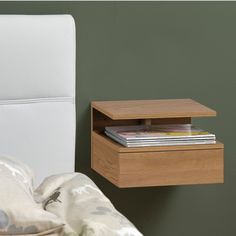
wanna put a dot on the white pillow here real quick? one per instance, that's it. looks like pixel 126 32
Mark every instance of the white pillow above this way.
pixel 19 213
pixel 20 171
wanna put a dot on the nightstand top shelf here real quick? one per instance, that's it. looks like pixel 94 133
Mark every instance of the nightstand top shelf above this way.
pixel 148 109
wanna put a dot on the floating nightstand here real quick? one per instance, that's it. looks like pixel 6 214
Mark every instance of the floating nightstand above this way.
pixel 153 166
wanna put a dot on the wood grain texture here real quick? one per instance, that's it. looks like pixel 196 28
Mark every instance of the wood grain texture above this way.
pixel 171 168
pixel 148 109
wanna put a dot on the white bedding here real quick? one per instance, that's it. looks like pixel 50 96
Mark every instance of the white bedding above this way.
pixel 19 213
pixel 64 205
pixel 84 209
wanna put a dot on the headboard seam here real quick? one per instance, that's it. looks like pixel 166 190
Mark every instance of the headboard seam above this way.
pixel 37 100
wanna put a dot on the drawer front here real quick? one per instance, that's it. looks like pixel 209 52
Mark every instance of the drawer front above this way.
pixel 171 168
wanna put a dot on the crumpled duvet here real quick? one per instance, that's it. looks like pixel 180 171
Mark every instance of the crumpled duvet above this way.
pixel 84 209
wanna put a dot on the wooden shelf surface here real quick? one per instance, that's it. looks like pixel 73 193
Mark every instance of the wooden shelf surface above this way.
pixel 151 109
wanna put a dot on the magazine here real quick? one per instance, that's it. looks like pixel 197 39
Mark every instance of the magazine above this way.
pixel 161 143
pixel 159 135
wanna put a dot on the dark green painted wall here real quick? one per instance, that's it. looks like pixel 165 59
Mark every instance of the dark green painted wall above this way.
pixel 138 50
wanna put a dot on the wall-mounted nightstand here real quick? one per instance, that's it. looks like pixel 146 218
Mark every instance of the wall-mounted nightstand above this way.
pixel 153 166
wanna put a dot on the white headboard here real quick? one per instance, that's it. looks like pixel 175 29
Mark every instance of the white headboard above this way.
pixel 37 91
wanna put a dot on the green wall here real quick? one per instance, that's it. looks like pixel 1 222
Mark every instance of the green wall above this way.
pixel 152 50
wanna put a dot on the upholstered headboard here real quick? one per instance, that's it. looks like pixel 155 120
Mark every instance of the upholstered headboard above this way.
pixel 37 91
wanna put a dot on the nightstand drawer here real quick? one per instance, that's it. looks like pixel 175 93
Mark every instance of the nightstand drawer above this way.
pixel 171 168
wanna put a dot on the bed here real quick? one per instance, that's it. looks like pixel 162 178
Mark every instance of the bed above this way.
pixel 40 192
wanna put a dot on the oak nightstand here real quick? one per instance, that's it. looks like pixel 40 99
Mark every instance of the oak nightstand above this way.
pixel 153 166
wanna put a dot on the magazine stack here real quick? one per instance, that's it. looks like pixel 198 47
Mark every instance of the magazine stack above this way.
pixel 159 135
